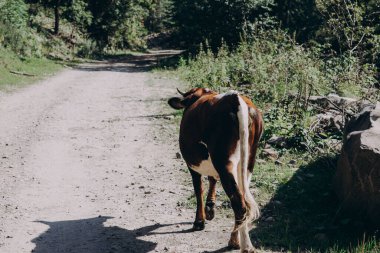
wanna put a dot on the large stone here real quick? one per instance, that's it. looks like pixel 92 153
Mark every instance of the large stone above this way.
pixel 330 121
pixel 357 180
pixel 343 105
pixel 333 101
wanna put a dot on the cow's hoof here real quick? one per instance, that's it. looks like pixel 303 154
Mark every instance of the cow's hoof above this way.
pixel 233 244
pixel 210 210
pixel 198 225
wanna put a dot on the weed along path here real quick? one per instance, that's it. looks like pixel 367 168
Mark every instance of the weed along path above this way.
pixel 88 165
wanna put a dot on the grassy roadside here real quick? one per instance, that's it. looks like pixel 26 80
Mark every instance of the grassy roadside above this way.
pixel 26 69
pixel 300 211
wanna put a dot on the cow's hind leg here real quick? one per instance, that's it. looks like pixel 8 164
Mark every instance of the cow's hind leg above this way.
pixel 239 236
pixel 231 188
pixel 211 198
pixel 199 223
pixel 237 202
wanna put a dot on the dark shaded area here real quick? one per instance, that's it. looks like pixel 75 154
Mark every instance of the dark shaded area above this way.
pixel 215 21
pixel 298 16
pixel 135 63
pixel 222 250
pixel 304 215
pixel 91 236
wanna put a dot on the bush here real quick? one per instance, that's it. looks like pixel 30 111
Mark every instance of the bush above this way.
pixel 14 32
pixel 279 75
pixel 274 64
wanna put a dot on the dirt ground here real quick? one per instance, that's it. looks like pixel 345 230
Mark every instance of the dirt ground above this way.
pixel 88 164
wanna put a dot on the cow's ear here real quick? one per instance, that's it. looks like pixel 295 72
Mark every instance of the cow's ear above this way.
pixel 176 103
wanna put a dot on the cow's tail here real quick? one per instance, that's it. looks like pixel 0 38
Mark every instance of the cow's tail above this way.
pixel 243 180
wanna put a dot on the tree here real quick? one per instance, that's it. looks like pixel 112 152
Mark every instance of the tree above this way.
pixel 352 28
pixel 215 20
pixel 160 15
pixel 78 14
pixel 299 17
pixel 55 5
pixel 119 24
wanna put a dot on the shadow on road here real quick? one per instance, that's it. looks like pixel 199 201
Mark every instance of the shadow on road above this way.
pixel 130 63
pixel 91 236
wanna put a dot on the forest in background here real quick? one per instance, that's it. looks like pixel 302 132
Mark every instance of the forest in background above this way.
pixel 342 36
pixel 337 27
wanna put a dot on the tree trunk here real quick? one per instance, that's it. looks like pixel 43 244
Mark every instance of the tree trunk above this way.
pixel 56 16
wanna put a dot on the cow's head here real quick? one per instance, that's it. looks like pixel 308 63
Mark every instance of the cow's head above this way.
pixel 188 98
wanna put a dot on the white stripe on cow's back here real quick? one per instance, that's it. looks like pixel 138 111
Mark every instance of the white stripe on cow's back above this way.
pixel 243 178
pixel 243 115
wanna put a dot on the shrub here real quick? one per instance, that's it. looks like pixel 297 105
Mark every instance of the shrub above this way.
pixel 280 75
pixel 14 32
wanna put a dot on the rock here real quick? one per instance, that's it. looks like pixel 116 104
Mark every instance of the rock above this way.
pixel 332 121
pixel 269 219
pixel 332 101
pixel 334 144
pixel 270 153
pixel 169 117
pixel 357 180
pixel 278 162
pixel 277 141
pixel 343 105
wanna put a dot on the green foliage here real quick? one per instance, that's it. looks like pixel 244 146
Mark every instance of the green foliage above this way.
pixel 213 20
pixel 78 14
pixel 299 17
pixel 14 32
pixel 273 64
pixel 95 25
pixel 160 15
pixel 280 75
pixel 344 24
pixel 14 13
pixel 118 24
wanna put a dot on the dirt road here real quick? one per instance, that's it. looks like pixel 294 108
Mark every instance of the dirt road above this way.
pixel 88 164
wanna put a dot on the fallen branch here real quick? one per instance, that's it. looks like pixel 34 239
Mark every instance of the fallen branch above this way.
pixel 21 73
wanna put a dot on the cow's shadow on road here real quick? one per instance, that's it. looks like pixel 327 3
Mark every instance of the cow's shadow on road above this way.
pixel 90 235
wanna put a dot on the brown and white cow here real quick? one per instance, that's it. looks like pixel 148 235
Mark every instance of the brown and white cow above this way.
pixel 219 136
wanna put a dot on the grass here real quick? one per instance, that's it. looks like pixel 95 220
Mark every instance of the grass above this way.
pixel 34 68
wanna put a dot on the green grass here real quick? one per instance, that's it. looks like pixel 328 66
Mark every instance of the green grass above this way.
pixel 39 68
